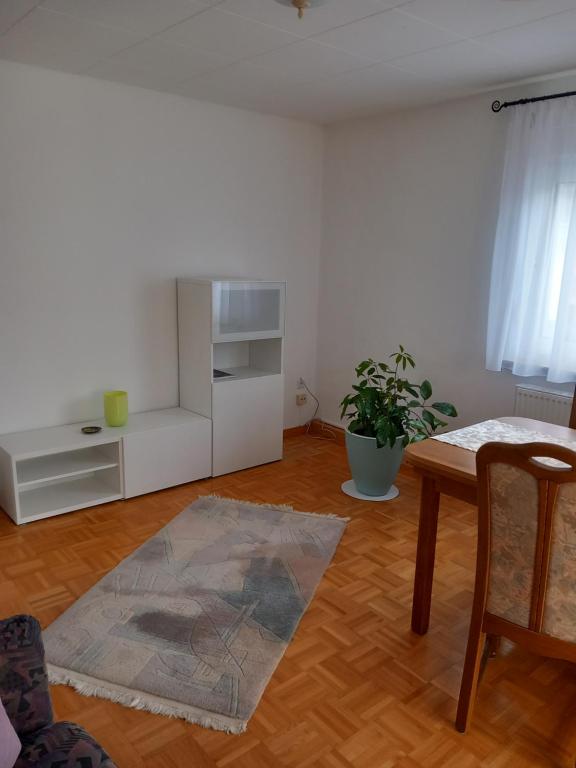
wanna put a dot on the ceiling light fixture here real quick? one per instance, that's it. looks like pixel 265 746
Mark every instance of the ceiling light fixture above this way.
pixel 301 5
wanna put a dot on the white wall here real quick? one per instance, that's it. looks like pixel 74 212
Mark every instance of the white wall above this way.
pixel 410 209
pixel 109 192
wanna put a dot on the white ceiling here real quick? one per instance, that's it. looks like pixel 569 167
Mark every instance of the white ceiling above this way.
pixel 344 58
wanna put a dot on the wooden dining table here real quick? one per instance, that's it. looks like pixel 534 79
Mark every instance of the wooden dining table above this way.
pixel 450 470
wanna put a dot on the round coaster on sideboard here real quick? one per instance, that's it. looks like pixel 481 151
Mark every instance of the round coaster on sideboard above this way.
pixel 349 488
pixel 91 430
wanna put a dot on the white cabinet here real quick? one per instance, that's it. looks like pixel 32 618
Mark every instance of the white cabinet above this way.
pixel 247 423
pixel 231 341
pixel 46 472
pixel 162 458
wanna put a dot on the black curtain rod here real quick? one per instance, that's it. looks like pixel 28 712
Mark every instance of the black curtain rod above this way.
pixel 499 105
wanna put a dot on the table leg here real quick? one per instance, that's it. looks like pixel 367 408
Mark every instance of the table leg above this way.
pixel 427 529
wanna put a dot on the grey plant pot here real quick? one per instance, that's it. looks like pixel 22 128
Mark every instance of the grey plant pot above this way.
pixel 373 469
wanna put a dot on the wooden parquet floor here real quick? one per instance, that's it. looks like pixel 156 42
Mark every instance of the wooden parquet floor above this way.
pixel 356 689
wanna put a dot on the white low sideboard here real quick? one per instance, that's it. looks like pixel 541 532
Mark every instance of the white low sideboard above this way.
pixel 50 471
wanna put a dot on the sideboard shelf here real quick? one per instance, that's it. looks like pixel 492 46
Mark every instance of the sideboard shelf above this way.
pixel 242 372
pixel 59 466
pixel 68 495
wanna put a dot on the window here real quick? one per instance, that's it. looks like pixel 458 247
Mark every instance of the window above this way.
pixel 532 317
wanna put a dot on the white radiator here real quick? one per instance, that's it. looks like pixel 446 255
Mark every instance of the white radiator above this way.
pixel 544 405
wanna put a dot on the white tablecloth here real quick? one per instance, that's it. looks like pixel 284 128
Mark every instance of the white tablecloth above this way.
pixel 490 431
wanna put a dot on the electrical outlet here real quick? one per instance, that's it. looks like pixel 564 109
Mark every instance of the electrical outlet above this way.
pixel 301 398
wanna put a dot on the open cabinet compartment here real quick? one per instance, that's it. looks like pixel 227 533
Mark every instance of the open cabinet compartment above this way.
pixel 56 496
pixel 55 466
pixel 247 359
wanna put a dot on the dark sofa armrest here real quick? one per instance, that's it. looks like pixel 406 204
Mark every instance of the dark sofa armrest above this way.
pixel 62 745
pixel 23 679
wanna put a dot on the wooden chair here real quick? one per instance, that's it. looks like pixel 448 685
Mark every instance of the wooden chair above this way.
pixel 572 423
pixel 526 566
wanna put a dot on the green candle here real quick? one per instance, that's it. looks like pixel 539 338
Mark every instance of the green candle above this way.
pixel 116 408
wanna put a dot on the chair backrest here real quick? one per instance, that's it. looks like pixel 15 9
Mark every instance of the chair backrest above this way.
pixel 572 423
pixel 527 540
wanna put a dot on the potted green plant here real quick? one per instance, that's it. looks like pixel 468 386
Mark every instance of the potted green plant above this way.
pixel 386 412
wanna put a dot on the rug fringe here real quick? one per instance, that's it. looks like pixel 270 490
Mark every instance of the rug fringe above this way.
pixel 325 515
pixel 143 701
pixel 279 507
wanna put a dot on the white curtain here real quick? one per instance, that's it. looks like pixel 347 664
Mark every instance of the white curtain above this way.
pixel 532 315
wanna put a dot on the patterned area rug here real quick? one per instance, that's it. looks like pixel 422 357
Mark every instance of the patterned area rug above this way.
pixel 195 621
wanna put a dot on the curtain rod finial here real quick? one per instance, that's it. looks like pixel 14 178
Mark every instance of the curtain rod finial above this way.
pixel 496 106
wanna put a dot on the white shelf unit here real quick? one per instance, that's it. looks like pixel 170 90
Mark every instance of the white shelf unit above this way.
pixel 40 482
pixel 234 326
pixel 51 471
